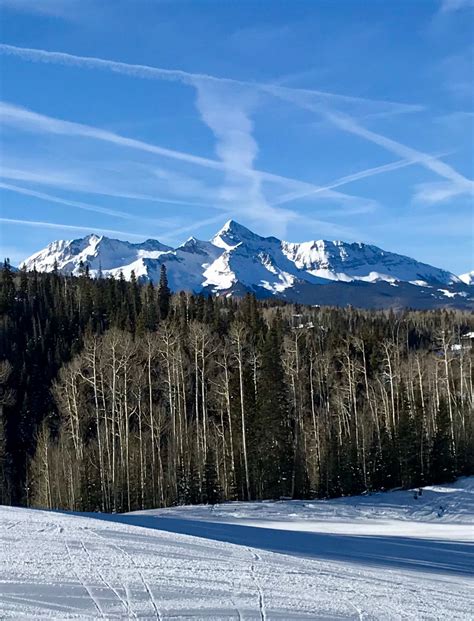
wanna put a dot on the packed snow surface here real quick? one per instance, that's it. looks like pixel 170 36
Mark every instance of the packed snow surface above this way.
pixel 383 556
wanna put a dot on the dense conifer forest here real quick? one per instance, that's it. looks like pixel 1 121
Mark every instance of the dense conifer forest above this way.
pixel 118 395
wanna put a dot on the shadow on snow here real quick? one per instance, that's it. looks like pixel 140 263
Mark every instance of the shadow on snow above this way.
pixel 409 553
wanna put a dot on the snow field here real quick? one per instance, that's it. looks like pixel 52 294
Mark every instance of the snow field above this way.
pixel 384 556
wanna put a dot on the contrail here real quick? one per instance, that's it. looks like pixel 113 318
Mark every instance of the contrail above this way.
pixel 362 174
pixel 435 165
pixel 349 124
pixel 154 73
pixel 24 117
pixel 72 227
pixel 62 201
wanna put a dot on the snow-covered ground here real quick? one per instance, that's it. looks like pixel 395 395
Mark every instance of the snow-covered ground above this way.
pixel 384 556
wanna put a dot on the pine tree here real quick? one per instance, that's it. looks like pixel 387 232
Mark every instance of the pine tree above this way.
pixel 7 288
pixel 148 314
pixel 23 288
pixel 212 491
pixel 193 488
pixel 164 293
pixel 407 446
pixel 443 466
pixel 7 398
pixel 271 433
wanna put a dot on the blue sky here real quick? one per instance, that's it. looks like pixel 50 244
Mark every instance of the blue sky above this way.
pixel 337 119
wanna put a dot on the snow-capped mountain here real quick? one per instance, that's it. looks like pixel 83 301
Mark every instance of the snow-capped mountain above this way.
pixel 467 278
pixel 276 265
pixel 98 252
pixel 237 259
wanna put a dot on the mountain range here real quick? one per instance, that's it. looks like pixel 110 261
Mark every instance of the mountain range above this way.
pixel 237 260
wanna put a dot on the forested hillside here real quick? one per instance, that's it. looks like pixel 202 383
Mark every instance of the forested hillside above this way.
pixel 118 396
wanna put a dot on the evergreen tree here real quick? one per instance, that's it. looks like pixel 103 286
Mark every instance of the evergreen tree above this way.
pixel 443 466
pixel 7 288
pixel 271 433
pixel 149 314
pixel 7 398
pixel 408 447
pixel 212 493
pixel 164 293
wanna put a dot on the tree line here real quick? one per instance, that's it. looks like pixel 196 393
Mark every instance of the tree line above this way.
pixel 117 396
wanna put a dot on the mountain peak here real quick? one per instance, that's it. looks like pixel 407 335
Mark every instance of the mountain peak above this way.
pixel 235 228
pixel 233 225
pixel 93 237
pixel 232 234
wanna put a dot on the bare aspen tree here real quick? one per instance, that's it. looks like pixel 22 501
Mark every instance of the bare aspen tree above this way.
pixel 223 389
pixel 42 471
pixel 445 344
pixel 238 335
pixel 390 375
pixel 151 349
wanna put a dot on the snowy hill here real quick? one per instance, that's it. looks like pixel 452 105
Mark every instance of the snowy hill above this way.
pixel 382 556
pixel 237 259
pixel 467 278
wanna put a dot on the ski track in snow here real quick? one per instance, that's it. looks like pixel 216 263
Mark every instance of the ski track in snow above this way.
pixel 125 603
pixel 386 556
pixel 145 584
pixel 261 601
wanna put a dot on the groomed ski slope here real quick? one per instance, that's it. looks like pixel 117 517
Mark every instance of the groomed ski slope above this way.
pixel 384 556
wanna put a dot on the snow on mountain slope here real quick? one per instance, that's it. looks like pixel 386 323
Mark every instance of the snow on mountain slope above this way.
pixel 186 265
pixel 336 260
pixel 237 257
pixel 98 252
pixel 276 265
pixel 386 556
pixel 467 278
pixel 253 261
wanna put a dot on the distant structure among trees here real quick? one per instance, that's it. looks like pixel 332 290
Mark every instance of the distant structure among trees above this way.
pixel 117 396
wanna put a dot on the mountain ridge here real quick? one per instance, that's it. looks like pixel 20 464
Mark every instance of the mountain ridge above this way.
pixel 237 259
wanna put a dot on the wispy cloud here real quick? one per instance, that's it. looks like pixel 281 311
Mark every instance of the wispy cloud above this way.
pixel 173 236
pixel 168 233
pixel 437 192
pixel 32 121
pixel 227 113
pixel 51 8
pixel 362 174
pixel 429 162
pixel 72 227
pixel 192 79
pixel 63 201
pixel 90 62
pixel 226 106
pixel 34 171
pixel 451 6
pixel 347 123
pixel 19 116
